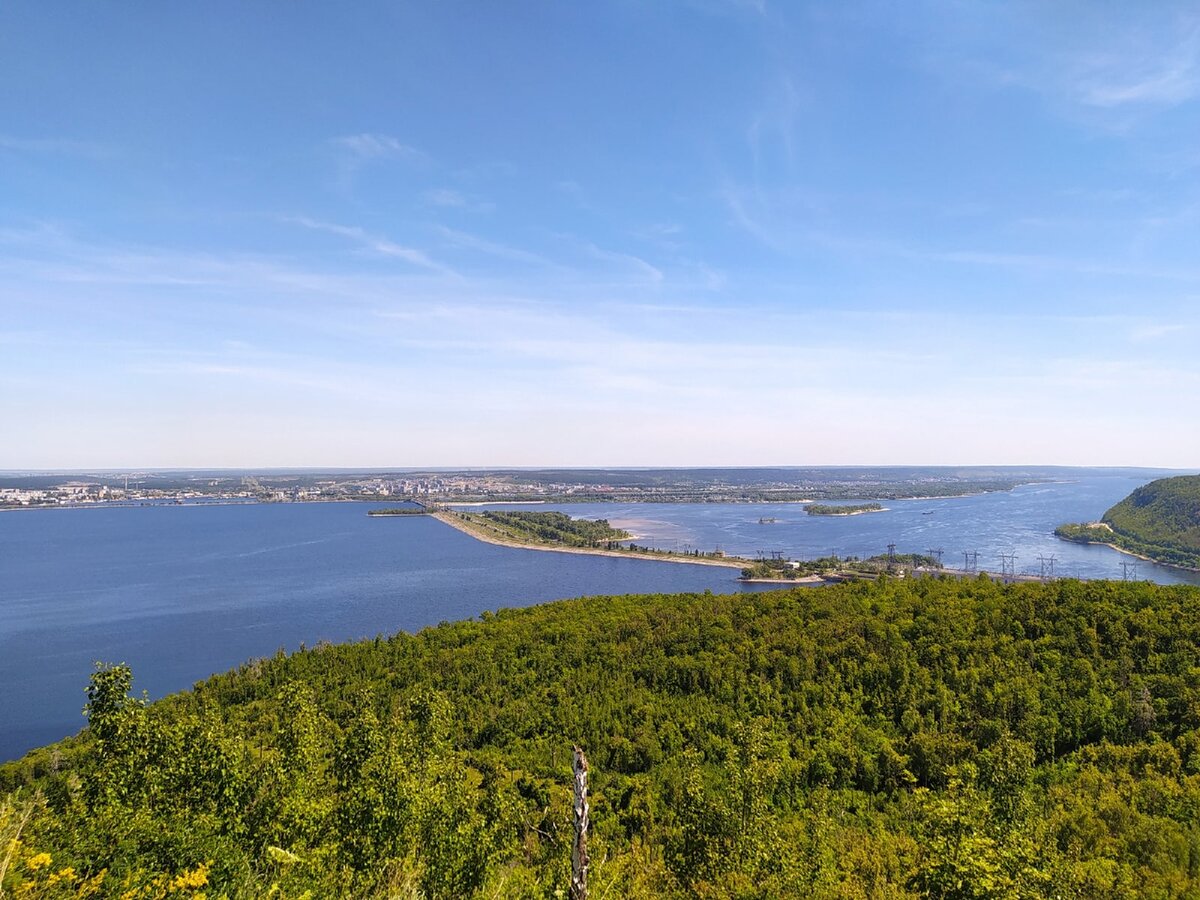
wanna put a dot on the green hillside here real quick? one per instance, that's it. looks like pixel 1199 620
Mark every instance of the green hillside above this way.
pixel 1160 520
pixel 923 737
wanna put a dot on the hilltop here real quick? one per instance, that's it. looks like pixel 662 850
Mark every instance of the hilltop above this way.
pixel 892 738
pixel 1159 521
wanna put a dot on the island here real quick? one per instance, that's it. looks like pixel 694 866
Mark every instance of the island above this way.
pixel 1159 521
pixel 400 511
pixel 826 509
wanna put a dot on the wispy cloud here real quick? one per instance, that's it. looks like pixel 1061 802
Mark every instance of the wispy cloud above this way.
pixel 376 146
pixel 466 241
pixel 57 146
pixel 355 151
pixel 374 243
pixel 1148 72
pixel 651 273
pixel 1156 331
pixel 447 198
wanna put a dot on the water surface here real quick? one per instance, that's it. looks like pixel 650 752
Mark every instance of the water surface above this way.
pixel 181 592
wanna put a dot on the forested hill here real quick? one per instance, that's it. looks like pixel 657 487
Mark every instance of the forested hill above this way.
pixel 1160 520
pixel 1162 515
pixel 924 737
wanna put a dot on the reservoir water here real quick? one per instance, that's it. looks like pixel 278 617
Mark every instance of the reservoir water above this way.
pixel 181 592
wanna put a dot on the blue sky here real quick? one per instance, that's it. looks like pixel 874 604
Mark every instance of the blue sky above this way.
pixel 691 233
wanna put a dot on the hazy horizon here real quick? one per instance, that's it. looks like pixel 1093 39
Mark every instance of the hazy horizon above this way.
pixel 1018 467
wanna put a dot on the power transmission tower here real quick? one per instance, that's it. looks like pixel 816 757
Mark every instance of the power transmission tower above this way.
pixel 970 560
pixel 1129 571
pixel 1047 566
pixel 936 553
pixel 1008 565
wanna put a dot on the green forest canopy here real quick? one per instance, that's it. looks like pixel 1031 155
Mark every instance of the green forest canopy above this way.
pixel 945 738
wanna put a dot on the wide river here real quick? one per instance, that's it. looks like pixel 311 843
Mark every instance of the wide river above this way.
pixel 181 592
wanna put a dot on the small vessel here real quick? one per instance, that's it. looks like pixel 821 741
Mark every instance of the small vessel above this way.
pixel 767 520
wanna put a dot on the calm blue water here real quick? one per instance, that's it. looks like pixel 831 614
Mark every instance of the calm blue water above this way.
pixel 182 592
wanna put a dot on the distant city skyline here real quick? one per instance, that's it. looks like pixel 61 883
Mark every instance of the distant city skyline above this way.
pixel 709 233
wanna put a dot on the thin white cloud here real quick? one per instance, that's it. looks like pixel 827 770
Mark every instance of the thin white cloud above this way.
pixel 628 260
pixel 56 146
pixel 1148 73
pixel 466 241
pixel 368 146
pixel 452 199
pixel 374 243
pixel 355 151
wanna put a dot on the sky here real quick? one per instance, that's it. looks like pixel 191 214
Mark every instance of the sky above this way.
pixel 716 232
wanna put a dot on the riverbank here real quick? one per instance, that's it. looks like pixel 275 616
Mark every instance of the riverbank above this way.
pixel 489 537
pixel 1141 556
pixel 784 582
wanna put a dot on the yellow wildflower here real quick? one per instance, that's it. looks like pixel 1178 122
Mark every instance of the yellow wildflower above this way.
pixel 37 861
pixel 190 880
pixel 65 874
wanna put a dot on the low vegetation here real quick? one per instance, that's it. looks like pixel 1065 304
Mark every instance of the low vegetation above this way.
pixel 924 737
pixel 551 528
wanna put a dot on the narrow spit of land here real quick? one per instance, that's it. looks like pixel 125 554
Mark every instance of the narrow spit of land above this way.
pixel 481 528
pixel 560 533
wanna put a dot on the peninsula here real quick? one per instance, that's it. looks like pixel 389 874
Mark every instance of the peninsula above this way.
pixel 558 532
pixel 1159 521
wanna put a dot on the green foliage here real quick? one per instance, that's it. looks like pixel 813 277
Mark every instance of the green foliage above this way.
pixel 942 738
